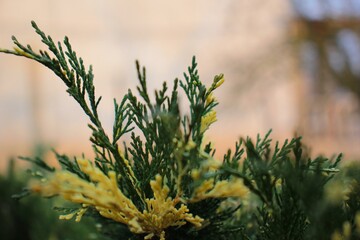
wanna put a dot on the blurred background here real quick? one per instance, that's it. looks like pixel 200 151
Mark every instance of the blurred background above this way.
pixel 293 66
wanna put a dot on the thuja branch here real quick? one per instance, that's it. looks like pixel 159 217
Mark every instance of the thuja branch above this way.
pixel 168 184
pixel 79 81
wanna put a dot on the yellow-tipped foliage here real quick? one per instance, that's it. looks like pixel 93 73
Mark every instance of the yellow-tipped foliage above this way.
pixel 104 195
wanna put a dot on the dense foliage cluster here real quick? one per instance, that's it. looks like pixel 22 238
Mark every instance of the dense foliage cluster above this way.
pixel 167 184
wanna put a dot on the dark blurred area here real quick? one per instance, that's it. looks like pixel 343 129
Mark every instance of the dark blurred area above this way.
pixel 33 217
pixel 326 40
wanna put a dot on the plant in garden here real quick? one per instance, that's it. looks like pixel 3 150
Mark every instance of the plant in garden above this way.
pixel 167 184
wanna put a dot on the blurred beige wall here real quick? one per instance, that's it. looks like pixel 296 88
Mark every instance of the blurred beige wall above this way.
pixel 245 40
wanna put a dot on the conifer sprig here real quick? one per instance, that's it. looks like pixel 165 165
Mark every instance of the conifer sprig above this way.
pixel 167 184
pixel 71 70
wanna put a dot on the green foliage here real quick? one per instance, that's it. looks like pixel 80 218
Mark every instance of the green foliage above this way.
pixel 289 197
